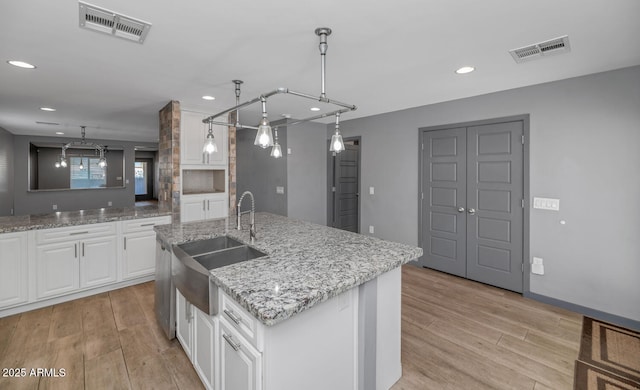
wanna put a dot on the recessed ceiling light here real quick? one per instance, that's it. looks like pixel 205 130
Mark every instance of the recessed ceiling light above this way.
pixel 47 109
pixel 315 109
pixel 21 64
pixel 59 133
pixel 207 97
pixel 465 69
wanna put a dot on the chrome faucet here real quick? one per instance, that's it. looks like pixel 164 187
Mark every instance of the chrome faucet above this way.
pixel 252 218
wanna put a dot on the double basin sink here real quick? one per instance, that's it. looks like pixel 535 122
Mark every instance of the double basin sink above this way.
pixel 190 273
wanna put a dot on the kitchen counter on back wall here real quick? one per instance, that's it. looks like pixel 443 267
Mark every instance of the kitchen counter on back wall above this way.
pixel 82 217
pixel 305 264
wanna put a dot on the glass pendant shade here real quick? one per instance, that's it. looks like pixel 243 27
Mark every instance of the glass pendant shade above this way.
pixel 276 151
pixel 336 143
pixel 102 163
pixel 57 164
pixel 264 138
pixel 63 162
pixel 210 145
pixel 81 165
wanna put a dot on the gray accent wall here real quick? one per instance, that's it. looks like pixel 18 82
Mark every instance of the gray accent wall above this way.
pixel 26 202
pixel 258 172
pixel 307 172
pixel 6 172
pixel 585 136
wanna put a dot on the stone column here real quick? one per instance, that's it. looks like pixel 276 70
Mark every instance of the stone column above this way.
pixel 169 159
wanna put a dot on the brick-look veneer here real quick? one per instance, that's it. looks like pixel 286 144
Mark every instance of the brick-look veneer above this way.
pixel 232 165
pixel 169 159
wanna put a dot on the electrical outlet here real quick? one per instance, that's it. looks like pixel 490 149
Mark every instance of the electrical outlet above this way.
pixel 55 206
pixel 371 230
pixel 279 190
pixel 288 150
pixel 371 191
pixel 109 203
pixel 537 266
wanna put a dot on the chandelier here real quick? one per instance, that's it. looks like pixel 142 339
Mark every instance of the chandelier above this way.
pixel 264 136
pixel 99 150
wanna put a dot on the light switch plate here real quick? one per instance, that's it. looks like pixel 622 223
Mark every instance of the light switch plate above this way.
pixel 371 191
pixel 546 204
pixel 279 190
pixel 288 150
pixel 537 267
pixel 371 230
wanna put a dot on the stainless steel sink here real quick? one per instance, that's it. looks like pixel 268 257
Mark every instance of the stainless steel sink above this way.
pixel 228 256
pixel 201 247
pixel 190 274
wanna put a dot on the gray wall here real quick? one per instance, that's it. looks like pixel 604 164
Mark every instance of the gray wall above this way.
pixel 307 172
pixel 26 202
pixel 258 172
pixel 6 172
pixel 585 135
pixel 156 168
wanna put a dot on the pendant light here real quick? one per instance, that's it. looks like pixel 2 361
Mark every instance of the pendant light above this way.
pixel 337 145
pixel 210 143
pixel 102 163
pixel 276 151
pixel 63 160
pixel 264 138
pixel 81 164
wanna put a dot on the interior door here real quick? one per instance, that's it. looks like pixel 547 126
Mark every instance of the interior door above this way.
pixel 495 193
pixel 444 178
pixel 346 179
pixel 472 210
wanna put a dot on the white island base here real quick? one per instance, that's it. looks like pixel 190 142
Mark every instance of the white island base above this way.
pixel 349 342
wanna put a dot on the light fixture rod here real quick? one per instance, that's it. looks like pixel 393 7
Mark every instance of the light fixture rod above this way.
pixel 242 105
pixel 323 32
pixel 351 107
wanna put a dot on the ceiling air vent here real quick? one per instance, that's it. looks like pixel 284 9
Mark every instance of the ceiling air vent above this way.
pixel 109 22
pixel 537 50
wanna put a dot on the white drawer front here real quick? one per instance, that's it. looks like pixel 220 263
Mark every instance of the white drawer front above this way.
pixel 78 232
pixel 144 224
pixel 241 320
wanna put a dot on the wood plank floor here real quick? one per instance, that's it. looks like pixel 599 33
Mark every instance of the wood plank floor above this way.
pixel 456 334
pixel 459 334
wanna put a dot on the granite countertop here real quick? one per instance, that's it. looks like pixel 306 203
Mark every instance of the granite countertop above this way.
pixel 306 263
pixel 82 217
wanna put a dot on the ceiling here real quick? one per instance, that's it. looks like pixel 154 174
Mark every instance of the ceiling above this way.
pixel 382 56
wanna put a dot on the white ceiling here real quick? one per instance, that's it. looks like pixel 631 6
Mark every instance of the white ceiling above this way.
pixel 382 56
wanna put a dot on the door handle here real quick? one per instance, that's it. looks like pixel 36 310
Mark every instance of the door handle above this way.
pixel 471 211
pixel 461 209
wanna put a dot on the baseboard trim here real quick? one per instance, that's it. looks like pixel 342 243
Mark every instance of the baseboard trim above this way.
pixel 21 308
pixel 587 311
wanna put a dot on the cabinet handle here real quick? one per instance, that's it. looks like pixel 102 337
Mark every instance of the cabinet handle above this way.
pixel 229 339
pixel 75 246
pixel 147 224
pixel 83 249
pixel 208 205
pixel 232 316
pixel 125 244
pixel 188 311
pixel 203 206
pixel 77 233
pixel 203 157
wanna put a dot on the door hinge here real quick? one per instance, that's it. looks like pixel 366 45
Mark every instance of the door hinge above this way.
pixel 423 146
pixel 333 189
pixel 422 195
pixel 522 267
pixel 523 139
pixel 522 203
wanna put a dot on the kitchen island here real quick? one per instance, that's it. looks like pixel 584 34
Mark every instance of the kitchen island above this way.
pixel 321 310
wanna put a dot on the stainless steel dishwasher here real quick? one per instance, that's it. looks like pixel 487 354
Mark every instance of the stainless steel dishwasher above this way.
pixel 165 301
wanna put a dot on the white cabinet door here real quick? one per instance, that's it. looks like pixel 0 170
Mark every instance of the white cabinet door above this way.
pixel 220 137
pixel 240 363
pixel 184 323
pixel 192 208
pixel 204 356
pixel 216 206
pixel 192 135
pixel 13 263
pixel 139 254
pixel 98 261
pixel 57 267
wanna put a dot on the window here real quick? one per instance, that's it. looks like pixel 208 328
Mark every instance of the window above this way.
pixel 86 173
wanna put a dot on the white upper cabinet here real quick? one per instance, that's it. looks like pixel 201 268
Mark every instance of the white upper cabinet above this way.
pixel 193 133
